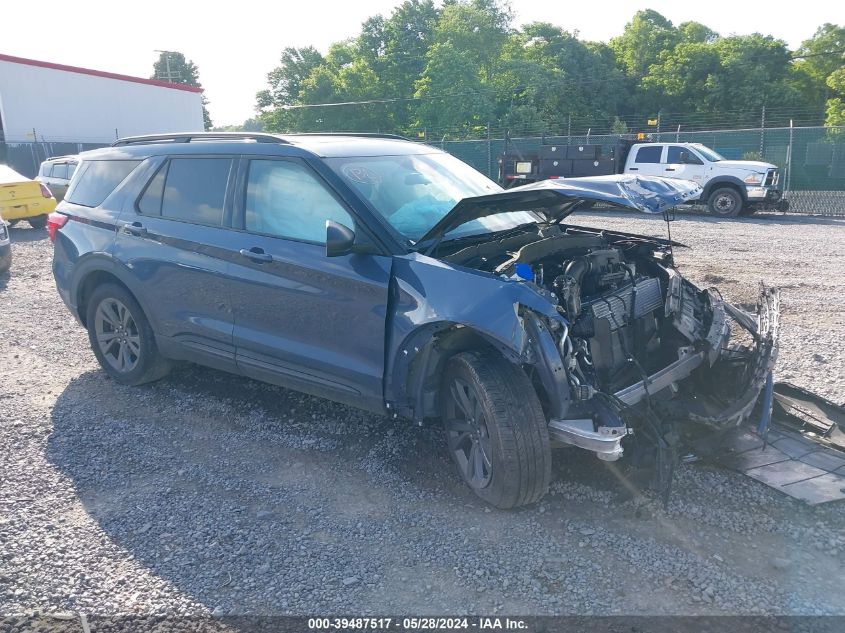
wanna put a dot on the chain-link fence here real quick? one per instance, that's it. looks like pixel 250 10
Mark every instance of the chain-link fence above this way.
pixel 812 158
pixel 25 157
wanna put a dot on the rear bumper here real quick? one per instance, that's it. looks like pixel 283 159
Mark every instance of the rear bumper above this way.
pixel 62 276
pixel 27 208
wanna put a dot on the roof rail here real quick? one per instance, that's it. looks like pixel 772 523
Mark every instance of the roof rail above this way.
pixel 363 134
pixel 60 157
pixel 189 137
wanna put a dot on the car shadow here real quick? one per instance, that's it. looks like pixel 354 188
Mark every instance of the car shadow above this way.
pixel 20 233
pixel 226 487
pixel 231 491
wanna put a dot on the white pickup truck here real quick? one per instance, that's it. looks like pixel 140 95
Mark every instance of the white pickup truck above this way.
pixel 729 187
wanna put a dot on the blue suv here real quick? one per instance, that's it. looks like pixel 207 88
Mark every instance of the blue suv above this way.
pixel 391 276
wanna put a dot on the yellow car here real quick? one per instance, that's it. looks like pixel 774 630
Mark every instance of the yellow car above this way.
pixel 24 199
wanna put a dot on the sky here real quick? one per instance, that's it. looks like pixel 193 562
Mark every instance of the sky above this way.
pixel 236 46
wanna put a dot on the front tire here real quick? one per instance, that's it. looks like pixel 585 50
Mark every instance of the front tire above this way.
pixel 121 337
pixel 38 222
pixel 495 429
pixel 725 202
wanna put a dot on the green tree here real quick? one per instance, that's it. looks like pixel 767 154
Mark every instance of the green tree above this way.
pixel 695 32
pixel 822 62
pixel 286 79
pixel 835 107
pixel 453 97
pixel 730 75
pixel 456 68
pixel 576 78
pixel 645 37
pixel 477 30
pixel 682 78
pixel 824 53
pixel 395 48
pixel 755 70
pixel 172 67
pixel 250 125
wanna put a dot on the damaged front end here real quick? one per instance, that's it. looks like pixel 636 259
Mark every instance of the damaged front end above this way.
pixel 633 355
pixel 724 356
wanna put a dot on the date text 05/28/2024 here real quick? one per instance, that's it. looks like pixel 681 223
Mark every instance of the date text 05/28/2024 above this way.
pixel 416 624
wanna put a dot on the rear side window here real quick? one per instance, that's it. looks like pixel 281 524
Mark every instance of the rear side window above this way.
pixel 59 171
pixel 649 154
pixel 188 189
pixel 97 179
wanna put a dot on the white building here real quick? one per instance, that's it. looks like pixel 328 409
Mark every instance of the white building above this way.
pixel 48 108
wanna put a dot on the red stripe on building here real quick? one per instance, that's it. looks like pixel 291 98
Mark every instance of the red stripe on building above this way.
pixel 96 73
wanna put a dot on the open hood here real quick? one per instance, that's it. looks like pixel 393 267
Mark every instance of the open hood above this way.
pixel 556 199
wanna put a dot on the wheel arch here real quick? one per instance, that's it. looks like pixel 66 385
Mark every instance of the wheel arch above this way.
pixel 425 352
pixel 413 384
pixel 95 272
pixel 720 182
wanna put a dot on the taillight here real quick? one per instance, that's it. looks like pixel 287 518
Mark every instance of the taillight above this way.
pixel 45 191
pixel 55 221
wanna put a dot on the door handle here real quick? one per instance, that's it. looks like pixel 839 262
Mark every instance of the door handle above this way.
pixel 633 168
pixel 135 228
pixel 256 254
pixel 670 169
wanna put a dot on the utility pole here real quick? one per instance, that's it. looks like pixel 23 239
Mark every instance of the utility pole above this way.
pixel 489 152
pixel 170 76
pixel 787 186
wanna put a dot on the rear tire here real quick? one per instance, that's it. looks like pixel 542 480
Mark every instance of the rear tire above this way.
pixel 495 429
pixel 121 337
pixel 38 222
pixel 725 202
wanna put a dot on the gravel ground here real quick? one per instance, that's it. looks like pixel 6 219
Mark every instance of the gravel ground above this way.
pixel 207 493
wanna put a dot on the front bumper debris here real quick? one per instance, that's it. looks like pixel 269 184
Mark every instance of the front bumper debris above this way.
pixel 765 330
pixel 606 442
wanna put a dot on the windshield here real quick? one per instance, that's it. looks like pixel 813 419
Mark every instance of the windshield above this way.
pixel 708 153
pixel 413 192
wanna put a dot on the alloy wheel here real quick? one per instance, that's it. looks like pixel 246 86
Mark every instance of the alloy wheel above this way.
pixel 117 335
pixel 467 434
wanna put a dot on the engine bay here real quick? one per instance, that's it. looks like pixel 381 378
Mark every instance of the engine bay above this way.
pixel 610 288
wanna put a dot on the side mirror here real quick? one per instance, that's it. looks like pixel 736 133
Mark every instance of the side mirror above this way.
pixel 685 158
pixel 339 239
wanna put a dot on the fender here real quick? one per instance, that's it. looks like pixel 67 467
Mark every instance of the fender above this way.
pixel 105 262
pixel 716 181
pixel 474 306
